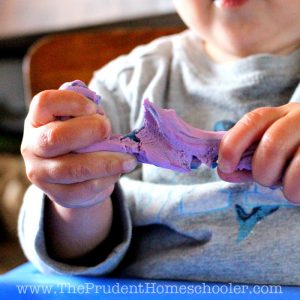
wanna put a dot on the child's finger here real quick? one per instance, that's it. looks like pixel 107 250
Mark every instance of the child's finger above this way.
pixel 236 177
pixel 47 106
pixel 248 130
pixel 276 148
pixel 60 137
pixel 80 194
pixel 291 186
pixel 74 168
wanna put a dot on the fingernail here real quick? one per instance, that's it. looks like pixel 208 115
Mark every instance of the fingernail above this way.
pixel 129 165
pixel 225 167
pixel 91 108
pixel 100 110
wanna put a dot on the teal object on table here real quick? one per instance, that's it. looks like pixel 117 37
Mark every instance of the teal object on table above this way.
pixel 25 282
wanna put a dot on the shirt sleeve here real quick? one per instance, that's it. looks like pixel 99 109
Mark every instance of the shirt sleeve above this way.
pixel 102 260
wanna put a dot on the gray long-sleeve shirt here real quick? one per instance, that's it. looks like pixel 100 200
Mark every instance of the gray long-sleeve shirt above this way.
pixel 187 226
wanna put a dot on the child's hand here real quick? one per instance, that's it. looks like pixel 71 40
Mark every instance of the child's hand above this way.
pixel 70 179
pixel 277 157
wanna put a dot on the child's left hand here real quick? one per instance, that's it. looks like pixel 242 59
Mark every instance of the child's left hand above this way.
pixel 276 160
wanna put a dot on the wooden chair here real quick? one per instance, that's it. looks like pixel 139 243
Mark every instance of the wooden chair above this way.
pixel 56 59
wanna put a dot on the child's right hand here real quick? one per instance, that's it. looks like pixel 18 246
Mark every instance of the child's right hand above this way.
pixel 49 145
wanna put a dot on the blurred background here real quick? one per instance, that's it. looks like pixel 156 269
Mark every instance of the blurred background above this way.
pixel 22 23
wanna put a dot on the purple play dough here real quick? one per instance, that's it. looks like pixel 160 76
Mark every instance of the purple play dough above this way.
pixel 80 88
pixel 164 140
